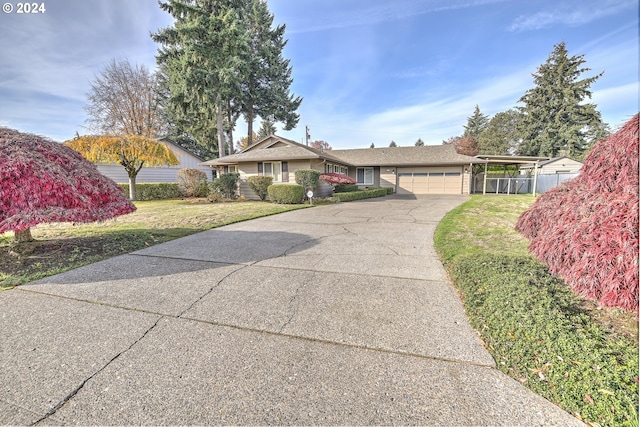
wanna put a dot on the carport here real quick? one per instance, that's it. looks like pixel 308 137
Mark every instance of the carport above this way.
pixel 509 180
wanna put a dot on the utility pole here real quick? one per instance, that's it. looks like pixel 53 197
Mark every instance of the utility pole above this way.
pixel 306 128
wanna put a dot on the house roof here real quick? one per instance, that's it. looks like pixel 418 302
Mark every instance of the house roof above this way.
pixel 511 160
pixel 405 156
pixel 175 144
pixel 550 161
pixel 273 148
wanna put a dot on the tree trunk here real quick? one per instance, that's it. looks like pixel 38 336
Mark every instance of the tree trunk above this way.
pixel 23 236
pixel 220 130
pixel 250 129
pixel 230 123
pixel 132 188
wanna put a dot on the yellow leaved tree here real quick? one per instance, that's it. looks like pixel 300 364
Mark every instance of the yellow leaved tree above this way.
pixel 132 152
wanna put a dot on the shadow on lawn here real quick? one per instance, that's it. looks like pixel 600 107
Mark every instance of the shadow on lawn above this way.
pixel 200 251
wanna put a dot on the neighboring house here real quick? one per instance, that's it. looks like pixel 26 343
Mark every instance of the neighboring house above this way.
pixel 556 165
pixel 160 173
pixel 435 169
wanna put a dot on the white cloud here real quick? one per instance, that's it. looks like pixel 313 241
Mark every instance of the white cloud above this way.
pixel 574 14
pixel 391 11
pixel 437 118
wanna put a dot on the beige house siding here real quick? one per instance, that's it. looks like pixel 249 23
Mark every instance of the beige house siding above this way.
pixel 251 169
pixel 388 177
pixel 466 181
pixel 561 166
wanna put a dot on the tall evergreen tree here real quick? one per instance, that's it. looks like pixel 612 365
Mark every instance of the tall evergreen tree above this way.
pixel 266 86
pixel 555 119
pixel 476 123
pixel 200 55
pixel 266 128
pixel 500 136
pixel 419 143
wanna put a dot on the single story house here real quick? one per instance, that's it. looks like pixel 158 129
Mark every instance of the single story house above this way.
pixel 435 169
pixel 556 165
pixel 186 158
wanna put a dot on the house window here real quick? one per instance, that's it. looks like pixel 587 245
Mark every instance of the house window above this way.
pixel 343 171
pixel 273 169
pixel 232 168
pixel 364 176
pixel 328 168
pixel 336 169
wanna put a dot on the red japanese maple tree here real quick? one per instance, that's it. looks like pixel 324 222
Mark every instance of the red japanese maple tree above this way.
pixel 44 181
pixel 336 178
pixel 586 230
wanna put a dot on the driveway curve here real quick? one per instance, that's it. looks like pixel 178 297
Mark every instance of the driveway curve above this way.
pixel 339 314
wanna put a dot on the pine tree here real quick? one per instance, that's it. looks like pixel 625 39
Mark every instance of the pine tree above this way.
pixel 393 144
pixel 266 87
pixel 500 136
pixel 555 119
pixel 200 55
pixel 419 143
pixel 476 123
pixel 267 128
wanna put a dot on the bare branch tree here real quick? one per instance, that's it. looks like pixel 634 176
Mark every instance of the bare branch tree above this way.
pixel 123 101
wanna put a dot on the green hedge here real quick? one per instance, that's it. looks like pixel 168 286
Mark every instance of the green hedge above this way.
pixel 260 185
pixel 359 195
pixel 346 188
pixel 154 190
pixel 286 194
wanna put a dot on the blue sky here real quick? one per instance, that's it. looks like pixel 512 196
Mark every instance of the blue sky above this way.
pixel 368 70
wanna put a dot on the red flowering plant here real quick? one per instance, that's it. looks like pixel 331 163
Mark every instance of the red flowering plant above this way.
pixel 44 181
pixel 586 230
pixel 336 179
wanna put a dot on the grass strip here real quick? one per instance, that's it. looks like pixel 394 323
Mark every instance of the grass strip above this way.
pixel 532 324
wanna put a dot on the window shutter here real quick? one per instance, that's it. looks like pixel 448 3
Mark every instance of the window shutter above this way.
pixel 260 169
pixel 285 172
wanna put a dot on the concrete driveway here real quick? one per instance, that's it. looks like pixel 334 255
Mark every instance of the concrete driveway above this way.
pixel 338 314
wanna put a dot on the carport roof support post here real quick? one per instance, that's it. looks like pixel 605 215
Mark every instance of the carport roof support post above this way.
pixel 535 176
pixel 484 183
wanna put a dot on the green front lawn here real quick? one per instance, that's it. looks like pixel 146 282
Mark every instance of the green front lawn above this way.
pixel 535 328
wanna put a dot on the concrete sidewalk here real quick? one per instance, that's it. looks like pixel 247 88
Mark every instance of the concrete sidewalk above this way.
pixel 339 314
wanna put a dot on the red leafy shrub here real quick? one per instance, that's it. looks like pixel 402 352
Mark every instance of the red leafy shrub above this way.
pixel 336 179
pixel 586 230
pixel 44 181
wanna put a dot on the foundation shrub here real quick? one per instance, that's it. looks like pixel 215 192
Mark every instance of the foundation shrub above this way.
pixel 307 178
pixel 586 230
pixel 226 185
pixel 259 184
pixel 286 194
pixel 192 182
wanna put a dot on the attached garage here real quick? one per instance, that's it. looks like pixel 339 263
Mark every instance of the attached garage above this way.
pixel 429 169
pixel 430 180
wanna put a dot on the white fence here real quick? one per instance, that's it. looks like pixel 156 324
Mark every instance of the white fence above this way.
pixel 519 184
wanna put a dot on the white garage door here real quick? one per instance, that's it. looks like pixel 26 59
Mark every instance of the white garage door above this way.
pixel 430 180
